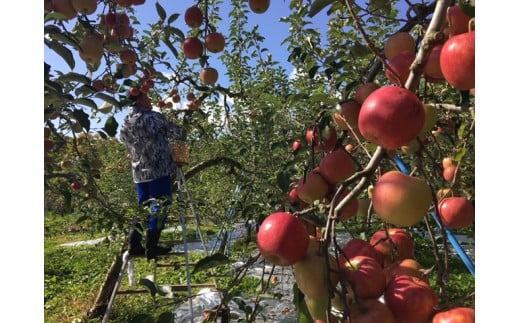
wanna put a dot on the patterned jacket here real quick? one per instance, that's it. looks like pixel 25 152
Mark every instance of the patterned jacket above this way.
pixel 147 134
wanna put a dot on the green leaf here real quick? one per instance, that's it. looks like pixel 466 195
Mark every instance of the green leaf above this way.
pixel 172 18
pixel 82 118
pixel 169 44
pixel 86 102
pixel 108 98
pixel 63 51
pixel 312 71
pixel 160 11
pixel 283 179
pixel 460 154
pixel 73 77
pixel 111 126
pixel 209 262
pixel 318 6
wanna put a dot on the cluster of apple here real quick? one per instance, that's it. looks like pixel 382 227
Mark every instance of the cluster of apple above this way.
pixel 193 48
pixel 378 280
pixel 451 58
pixel 358 277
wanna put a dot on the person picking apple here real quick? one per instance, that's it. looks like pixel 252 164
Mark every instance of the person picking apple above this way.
pixel 147 135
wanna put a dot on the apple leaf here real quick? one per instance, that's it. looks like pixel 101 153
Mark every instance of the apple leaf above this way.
pixel 82 117
pixel 209 262
pixel 318 6
pixel 73 77
pixel 172 18
pixel 169 44
pixel 86 102
pixel 108 99
pixel 160 11
pixel 111 126
pixel 61 50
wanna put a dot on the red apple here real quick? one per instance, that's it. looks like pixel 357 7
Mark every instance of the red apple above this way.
pixel 84 7
pixel 209 75
pixel 370 311
pixel 456 212
pixel 458 21
pixel 282 239
pixel 359 247
pixel 297 144
pixel 406 266
pixel 455 315
pixel 323 139
pixel 432 68
pixel 48 144
pixel 350 111
pixel 192 47
pixel 215 42
pixel 336 166
pixel 397 237
pixel 457 60
pixel 400 67
pixel 364 90
pixel 259 6
pixel 449 173
pixel 128 56
pixel 313 187
pixel 401 199
pixel 391 117
pixel 410 299
pixel 193 17
pixel 349 210
pixel 397 43
pixel 365 275
pixel 75 186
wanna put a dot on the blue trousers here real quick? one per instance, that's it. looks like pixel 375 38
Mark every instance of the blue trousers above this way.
pixel 155 194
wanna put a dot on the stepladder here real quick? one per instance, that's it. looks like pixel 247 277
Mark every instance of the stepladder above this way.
pixel 178 294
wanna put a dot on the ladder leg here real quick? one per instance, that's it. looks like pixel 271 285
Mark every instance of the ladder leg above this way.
pixel 180 183
pixel 126 258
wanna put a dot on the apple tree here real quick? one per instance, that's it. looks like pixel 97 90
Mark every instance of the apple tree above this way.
pixel 388 86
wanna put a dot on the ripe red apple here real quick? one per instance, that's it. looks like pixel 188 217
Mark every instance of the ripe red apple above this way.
pixel 323 139
pixel 458 21
pixel 457 60
pixel 48 144
pixel 192 48
pixel 215 42
pixel 336 166
pixel 209 75
pixel 128 56
pixel 193 17
pixel 84 7
pixel 391 117
pixel 75 186
pixel 455 315
pixel 282 239
pixel 313 187
pixel 350 111
pixel 259 6
pixel 456 212
pixel 359 247
pixel 297 144
pixel 400 65
pixel 65 8
pixel 350 209
pixel 447 162
pixel 124 3
pixel 399 237
pixel 138 2
pixel 397 43
pixel 401 199
pixel 408 266
pixel 432 68
pixel 311 276
pixel 370 311
pixel 364 90
pixel 410 299
pixel 449 173
pixel 365 275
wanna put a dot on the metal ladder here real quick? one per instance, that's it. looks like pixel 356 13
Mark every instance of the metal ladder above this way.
pixel 184 199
